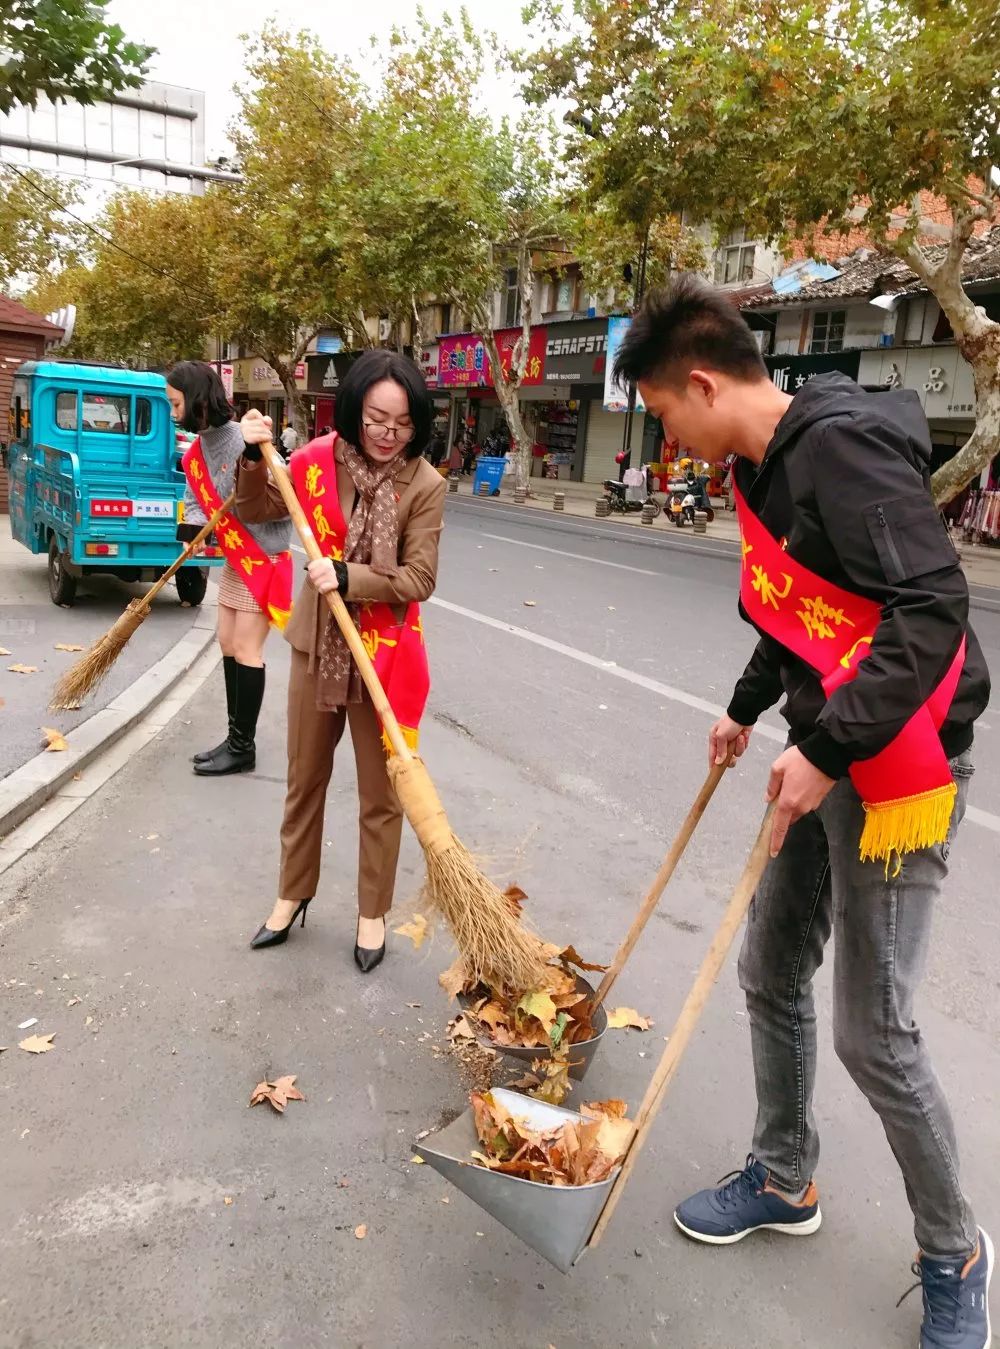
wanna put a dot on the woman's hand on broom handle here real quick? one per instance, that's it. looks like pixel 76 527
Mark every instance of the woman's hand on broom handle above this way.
pixel 323 575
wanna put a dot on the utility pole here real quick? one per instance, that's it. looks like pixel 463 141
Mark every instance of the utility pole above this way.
pixel 640 290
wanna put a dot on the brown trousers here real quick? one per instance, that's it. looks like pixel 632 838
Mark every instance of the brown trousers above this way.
pixel 312 738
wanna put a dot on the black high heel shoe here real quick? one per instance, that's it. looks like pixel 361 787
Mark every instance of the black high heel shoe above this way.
pixel 367 959
pixel 267 936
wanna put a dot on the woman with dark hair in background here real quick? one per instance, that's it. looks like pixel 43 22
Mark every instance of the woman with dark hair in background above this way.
pixel 376 507
pixel 255 588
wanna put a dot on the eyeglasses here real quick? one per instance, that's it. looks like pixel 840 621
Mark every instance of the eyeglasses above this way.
pixel 383 431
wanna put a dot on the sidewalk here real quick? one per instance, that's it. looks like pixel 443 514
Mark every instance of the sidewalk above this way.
pixel 32 631
pixel 982 565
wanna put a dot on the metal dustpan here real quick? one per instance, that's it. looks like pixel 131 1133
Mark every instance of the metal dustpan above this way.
pixel 554 1220
pixel 581 1053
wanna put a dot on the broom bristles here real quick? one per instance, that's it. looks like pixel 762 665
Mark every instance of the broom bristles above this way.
pixel 87 673
pixel 495 947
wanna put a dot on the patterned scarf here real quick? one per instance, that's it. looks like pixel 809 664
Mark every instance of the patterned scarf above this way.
pixel 372 538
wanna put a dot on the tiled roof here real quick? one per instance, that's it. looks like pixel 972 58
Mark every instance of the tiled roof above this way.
pixel 868 273
pixel 16 317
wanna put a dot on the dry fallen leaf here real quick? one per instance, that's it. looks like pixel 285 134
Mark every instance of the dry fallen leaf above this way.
pixel 416 930
pixel 453 979
pixel 23 669
pixel 67 646
pixel 277 1094
pixel 4 651
pixel 73 1001
pixel 623 1018
pixel 361 1231
pixel 417 1161
pixel 56 740
pixel 227 1201
pixel 37 1044
pixel 530 604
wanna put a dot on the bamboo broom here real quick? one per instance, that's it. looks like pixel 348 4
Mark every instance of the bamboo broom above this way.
pixel 84 676
pixel 493 944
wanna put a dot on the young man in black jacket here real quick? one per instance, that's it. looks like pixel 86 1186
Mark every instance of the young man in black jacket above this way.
pixel 839 530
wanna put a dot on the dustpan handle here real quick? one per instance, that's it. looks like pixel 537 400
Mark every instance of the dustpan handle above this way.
pixel 715 776
pixel 690 1014
pixel 337 606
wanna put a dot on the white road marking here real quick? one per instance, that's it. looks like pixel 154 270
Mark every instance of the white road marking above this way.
pixel 578 557
pixel 981 817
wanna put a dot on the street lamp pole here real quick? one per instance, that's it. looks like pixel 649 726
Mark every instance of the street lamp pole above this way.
pixel 640 290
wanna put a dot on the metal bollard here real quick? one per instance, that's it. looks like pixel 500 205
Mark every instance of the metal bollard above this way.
pixel 602 507
pixel 700 522
pixel 452 484
pixel 559 501
pixel 648 515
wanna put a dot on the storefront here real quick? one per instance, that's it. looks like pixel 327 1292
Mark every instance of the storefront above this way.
pixel 255 385
pixel 322 382
pixel 575 359
pixel 428 359
pixel 464 374
pixel 789 373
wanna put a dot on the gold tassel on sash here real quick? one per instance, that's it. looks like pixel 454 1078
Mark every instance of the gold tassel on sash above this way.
pixel 907 825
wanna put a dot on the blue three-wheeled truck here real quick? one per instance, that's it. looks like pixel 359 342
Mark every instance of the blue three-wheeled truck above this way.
pixel 95 482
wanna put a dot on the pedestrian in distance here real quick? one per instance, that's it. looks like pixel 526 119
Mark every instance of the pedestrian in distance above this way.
pixel 861 608
pixel 376 507
pixel 456 457
pixel 256 584
pixel 289 440
pixel 436 450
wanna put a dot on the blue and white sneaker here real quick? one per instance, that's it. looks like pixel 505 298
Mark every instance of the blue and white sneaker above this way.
pixel 747 1202
pixel 956 1299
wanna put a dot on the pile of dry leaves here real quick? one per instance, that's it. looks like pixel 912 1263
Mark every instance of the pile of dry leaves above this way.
pixel 555 1013
pixel 572 1154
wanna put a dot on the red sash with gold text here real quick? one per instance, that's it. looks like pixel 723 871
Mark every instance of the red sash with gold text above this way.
pixel 907 788
pixel 270 583
pixel 396 649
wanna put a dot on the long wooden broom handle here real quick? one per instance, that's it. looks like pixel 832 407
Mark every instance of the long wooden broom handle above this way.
pixel 715 776
pixel 189 548
pixel 690 1014
pixel 337 606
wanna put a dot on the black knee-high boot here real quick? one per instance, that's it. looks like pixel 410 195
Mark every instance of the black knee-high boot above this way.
pixel 240 752
pixel 229 674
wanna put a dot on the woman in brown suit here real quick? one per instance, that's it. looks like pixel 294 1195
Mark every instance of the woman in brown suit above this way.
pixel 393 502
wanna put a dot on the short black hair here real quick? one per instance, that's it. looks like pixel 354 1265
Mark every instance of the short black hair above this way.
pixel 370 368
pixel 685 326
pixel 205 401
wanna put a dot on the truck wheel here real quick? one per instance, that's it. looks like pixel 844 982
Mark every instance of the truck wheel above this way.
pixel 62 586
pixel 192 582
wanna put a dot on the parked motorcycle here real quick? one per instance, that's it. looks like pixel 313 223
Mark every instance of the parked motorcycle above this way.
pixel 682 503
pixel 616 493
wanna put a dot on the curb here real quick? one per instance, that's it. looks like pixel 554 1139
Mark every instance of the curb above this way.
pixel 33 784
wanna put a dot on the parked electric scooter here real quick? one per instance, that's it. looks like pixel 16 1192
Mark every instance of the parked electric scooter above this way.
pixel 618 500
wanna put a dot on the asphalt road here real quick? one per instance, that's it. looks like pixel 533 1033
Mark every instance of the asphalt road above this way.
pixel 567 739
pixel 31 626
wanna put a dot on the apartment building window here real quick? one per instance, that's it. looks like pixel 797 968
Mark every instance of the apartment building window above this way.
pixel 828 330
pixel 566 295
pixel 445 318
pixel 511 298
pixel 734 259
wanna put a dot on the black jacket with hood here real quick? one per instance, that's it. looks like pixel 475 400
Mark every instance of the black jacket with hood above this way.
pixel 845 481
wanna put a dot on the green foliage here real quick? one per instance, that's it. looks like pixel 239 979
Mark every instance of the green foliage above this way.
pixel 64 49
pixel 36 234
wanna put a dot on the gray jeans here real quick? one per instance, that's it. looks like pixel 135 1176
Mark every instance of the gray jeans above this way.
pixel 817 885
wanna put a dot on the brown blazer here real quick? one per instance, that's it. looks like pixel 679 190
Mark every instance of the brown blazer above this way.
pixel 421 492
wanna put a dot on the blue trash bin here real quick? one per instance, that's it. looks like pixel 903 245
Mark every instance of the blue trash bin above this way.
pixel 489 471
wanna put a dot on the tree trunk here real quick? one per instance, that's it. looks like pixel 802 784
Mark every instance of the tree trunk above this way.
pixel 285 370
pixel 984 443
pixel 978 341
pixel 506 391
